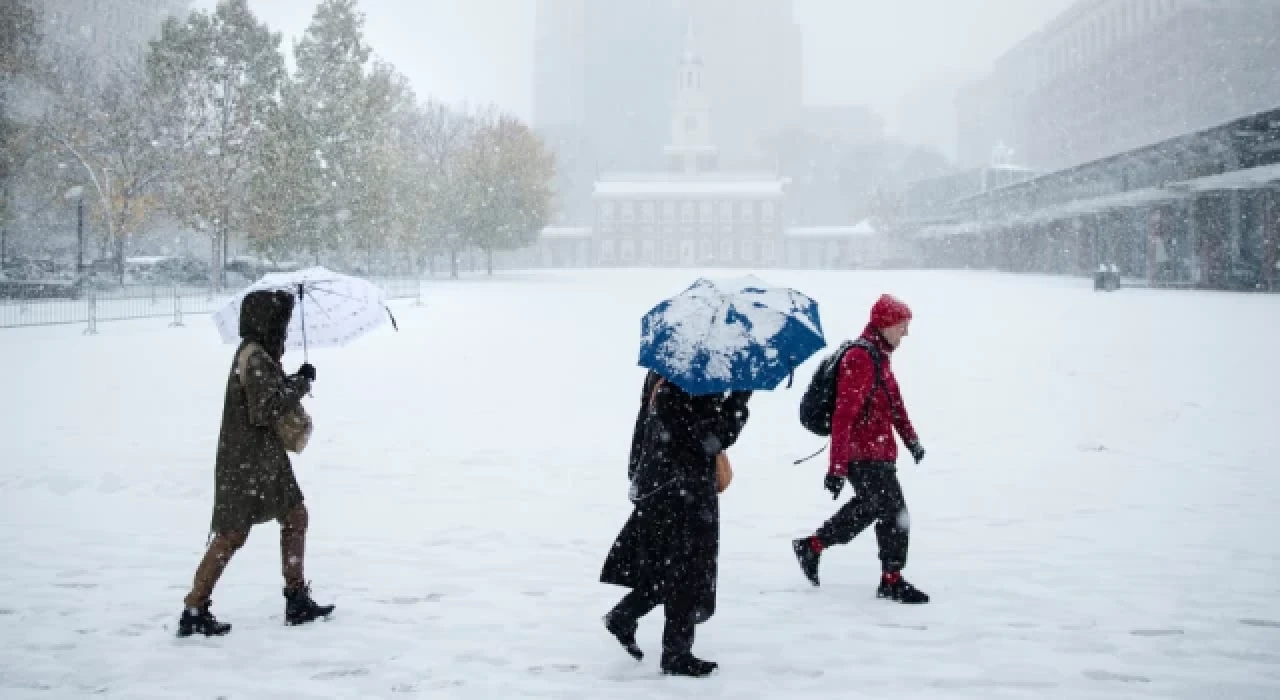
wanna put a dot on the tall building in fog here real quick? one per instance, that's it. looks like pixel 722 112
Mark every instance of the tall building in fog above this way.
pixel 603 72
pixel 1111 75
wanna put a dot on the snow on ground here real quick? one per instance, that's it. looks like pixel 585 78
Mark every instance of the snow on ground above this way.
pixel 1096 517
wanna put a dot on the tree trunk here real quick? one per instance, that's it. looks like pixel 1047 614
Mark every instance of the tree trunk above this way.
pixel 453 263
pixel 120 256
pixel 222 265
pixel 488 261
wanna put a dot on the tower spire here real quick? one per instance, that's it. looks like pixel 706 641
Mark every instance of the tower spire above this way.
pixel 690 149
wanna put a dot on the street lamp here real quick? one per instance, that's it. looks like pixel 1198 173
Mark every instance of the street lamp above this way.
pixel 77 193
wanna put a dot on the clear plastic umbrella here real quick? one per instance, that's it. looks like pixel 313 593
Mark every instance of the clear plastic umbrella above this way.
pixel 332 309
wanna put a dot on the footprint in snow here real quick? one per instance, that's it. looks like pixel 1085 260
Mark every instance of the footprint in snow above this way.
pixel 413 600
pixel 1156 633
pixel 341 673
pixel 1252 622
pixel 897 626
pixel 560 668
pixel 1098 675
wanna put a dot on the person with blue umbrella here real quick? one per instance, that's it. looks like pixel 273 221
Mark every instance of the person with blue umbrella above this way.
pixel 707 351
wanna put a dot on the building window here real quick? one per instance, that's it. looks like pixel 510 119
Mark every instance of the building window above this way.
pixel 606 211
pixel 687 212
pixel 628 212
pixel 726 251
pixel 668 251
pixel 628 251
pixel 768 252
pixel 748 251
pixel 648 252
pixel 767 212
pixel 748 212
pixel 726 212
pixel 707 250
pixel 668 211
pixel 704 212
pixel 606 251
pixel 647 213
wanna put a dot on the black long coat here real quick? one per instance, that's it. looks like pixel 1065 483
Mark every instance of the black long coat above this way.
pixel 254 481
pixel 671 543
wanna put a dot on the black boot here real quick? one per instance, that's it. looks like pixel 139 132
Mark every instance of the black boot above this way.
pixel 894 587
pixel 687 664
pixel 625 632
pixel 807 557
pixel 201 621
pixel 300 609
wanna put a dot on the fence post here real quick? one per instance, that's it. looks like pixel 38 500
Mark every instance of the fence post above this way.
pixel 92 329
pixel 177 308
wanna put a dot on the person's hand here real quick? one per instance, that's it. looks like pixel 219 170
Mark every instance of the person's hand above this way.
pixel 307 371
pixel 916 450
pixel 833 483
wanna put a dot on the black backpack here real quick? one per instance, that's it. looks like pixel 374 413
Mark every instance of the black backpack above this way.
pixel 819 400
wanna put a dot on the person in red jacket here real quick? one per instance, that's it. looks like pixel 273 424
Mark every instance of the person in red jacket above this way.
pixel 868 409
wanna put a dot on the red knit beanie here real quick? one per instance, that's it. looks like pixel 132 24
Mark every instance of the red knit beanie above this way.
pixel 889 311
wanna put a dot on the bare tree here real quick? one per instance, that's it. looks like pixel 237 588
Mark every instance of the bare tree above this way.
pixel 112 135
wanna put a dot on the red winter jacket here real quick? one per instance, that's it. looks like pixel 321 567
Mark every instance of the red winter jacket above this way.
pixel 867 442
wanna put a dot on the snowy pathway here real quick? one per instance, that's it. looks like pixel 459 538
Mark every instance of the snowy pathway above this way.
pixel 1097 516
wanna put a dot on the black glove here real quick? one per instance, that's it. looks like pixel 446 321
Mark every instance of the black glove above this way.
pixel 834 483
pixel 917 452
pixel 307 371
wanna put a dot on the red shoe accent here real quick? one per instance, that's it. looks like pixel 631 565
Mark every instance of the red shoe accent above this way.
pixel 816 545
pixel 891 578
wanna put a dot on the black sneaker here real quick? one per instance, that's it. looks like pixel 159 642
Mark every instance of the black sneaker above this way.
pixel 201 621
pixel 900 590
pixel 808 559
pixel 300 609
pixel 625 634
pixel 688 665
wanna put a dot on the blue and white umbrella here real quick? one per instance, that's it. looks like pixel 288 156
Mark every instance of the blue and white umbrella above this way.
pixel 736 334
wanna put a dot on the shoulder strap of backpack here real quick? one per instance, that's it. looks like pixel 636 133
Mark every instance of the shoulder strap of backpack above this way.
pixel 877 381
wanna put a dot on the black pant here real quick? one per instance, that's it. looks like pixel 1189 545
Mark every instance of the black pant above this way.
pixel 677 634
pixel 877 498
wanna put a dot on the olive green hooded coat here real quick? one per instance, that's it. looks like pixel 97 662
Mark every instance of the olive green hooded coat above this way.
pixel 254 480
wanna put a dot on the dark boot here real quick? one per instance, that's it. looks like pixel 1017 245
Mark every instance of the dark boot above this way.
pixel 808 558
pixel 200 621
pixel 894 587
pixel 625 632
pixel 687 664
pixel 300 609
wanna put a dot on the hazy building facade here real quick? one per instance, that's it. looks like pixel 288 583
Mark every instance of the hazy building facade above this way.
pixel 693 212
pixel 1107 76
pixel 602 69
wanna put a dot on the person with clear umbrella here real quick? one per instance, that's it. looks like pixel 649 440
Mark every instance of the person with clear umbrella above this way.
pixel 254 481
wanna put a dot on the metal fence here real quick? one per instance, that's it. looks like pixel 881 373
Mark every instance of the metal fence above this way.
pixel 91 306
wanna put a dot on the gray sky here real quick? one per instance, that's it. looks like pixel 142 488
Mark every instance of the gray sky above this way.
pixel 904 58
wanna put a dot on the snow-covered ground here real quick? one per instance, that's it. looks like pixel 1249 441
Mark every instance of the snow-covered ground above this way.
pixel 1097 515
